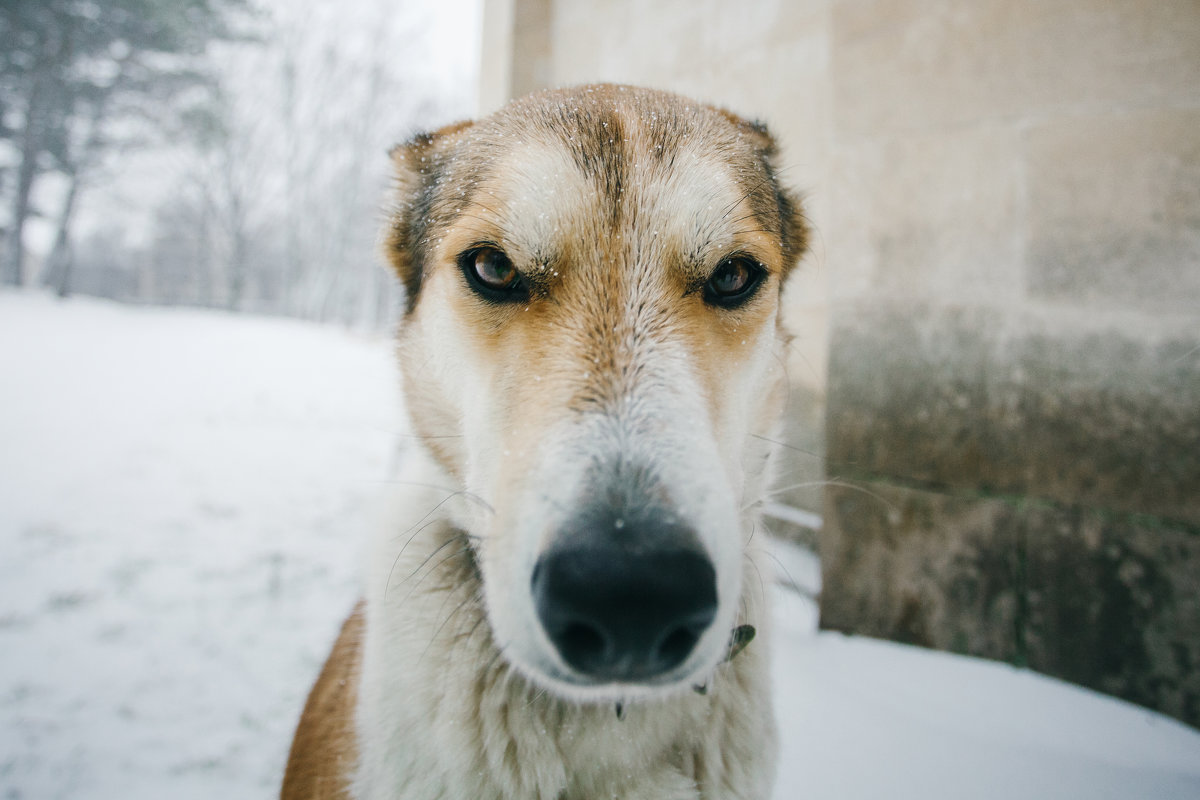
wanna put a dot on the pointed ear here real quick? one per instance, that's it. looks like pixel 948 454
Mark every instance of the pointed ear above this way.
pixel 793 225
pixel 419 165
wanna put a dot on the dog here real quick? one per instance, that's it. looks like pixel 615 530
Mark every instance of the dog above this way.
pixel 562 593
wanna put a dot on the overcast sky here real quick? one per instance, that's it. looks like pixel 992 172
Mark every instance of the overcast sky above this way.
pixel 430 46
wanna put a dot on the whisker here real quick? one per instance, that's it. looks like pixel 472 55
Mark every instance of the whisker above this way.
pixel 479 619
pixel 778 490
pixel 388 584
pixel 788 446
pixel 423 519
pixel 749 191
pixel 743 218
pixel 841 484
pixel 451 492
pixel 792 583
pixel 446 621
pixel 793 515
pixel 433 569
pixel 794 345
pixel 1185 356
pixel 834 482
pixel 450 540
pixel 540 693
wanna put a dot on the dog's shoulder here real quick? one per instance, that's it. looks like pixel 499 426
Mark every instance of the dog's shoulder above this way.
pixel 324 752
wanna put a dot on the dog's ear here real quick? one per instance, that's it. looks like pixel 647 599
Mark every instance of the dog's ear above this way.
pixel 793 225
pixel 418 165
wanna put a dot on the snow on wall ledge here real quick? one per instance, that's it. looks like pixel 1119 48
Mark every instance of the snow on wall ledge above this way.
pixel 181 506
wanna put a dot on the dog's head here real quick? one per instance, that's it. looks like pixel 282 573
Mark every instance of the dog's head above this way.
pixel 591 346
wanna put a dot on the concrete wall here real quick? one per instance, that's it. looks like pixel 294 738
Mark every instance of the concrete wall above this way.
pixel 1015 350
pixel 1000 324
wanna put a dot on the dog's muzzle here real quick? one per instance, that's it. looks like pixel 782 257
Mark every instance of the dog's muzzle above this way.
pixel 625 601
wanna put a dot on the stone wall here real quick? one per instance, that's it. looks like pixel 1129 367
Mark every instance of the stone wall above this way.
pixel 999 326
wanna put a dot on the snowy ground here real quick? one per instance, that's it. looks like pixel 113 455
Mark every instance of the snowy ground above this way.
pixel 181 507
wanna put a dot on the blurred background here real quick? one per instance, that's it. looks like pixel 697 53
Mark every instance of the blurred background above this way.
pixel 993 435
pixel 218 153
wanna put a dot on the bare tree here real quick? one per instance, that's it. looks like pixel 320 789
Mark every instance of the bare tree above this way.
pixel 294 174
pixel 274 175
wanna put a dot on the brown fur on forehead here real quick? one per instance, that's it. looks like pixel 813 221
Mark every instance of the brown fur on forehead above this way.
pixel 616 137
pixel 619 136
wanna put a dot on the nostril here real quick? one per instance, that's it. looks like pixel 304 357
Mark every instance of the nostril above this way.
pixel 676 646
pixel 581 643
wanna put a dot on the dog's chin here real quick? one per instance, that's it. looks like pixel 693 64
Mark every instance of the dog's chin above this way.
pixel 548 674
pixel 577 688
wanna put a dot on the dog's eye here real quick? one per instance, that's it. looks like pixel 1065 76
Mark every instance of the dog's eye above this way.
pixel 733 281
pixel 489 272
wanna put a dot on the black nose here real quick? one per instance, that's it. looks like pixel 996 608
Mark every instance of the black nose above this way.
pixel 617 613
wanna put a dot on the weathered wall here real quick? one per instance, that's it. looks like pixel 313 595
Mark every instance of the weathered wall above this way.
pixel 1015 354
pixel 1001 313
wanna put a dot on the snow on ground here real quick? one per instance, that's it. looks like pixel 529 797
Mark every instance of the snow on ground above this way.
pixel 181 500
pixel 182 503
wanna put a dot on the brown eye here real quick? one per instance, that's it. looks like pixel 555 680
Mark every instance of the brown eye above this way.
pixel 490 273
pixel 493 269
pixel 733 281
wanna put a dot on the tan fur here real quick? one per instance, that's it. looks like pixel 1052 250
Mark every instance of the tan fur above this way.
pixel 323 752
pixel 616 205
